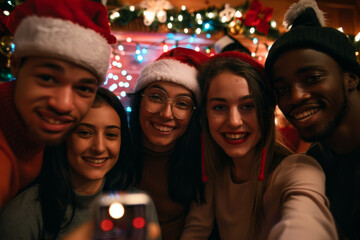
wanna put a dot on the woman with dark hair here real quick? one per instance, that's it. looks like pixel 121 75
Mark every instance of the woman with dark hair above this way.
pixel 257 188
pixel 96 157
pixel 166 131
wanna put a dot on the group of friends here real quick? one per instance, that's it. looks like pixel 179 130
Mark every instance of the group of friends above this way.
pixel 201 138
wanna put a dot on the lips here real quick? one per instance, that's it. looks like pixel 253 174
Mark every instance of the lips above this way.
pixel 93 160
pixel 163 128
pixel 235 138
pixel 303 116
pixel 53 122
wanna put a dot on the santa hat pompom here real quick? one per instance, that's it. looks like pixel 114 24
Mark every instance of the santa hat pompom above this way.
pixel 296 9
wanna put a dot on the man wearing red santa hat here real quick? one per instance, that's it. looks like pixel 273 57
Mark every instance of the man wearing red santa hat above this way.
pixel 61 56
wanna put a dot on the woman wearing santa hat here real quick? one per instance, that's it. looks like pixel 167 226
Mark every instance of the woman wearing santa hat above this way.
pixel 165 128
pixel 257 189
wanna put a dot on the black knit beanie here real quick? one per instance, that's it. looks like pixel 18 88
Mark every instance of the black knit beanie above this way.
pixel 307 32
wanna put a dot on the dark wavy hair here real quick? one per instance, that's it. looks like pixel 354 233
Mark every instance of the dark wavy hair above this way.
pixel 184 169
pixel 55 186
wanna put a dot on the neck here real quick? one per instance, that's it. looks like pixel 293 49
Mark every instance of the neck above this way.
pixel 243 168
pixel 157 148
pixel 86 187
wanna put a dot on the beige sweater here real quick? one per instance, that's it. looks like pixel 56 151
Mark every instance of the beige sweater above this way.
pixel 295 206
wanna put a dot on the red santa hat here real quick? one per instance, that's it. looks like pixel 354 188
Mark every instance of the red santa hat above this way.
pixel 77 31
pixel 179 65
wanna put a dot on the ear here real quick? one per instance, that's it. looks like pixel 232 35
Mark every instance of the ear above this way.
pixel 352 80
pixel 15 66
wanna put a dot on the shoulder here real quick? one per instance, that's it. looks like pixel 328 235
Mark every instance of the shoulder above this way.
pixel 22 215
pixel 299 171
pixel 27 198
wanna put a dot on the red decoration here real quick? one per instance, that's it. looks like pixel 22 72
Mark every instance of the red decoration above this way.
pixel 3 23
pixel 258 17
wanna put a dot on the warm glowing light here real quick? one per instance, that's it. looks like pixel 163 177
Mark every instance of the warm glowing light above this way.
pixel 138 222
pixel 180 18
pixel 198 16
pixel 357 37
pixel 132 8
pixel 128 39
pixel 253 54
pixel 273 24
pixel 183 7
pixel 6 13
pixel 114 15
pixel 197 49
pixel 238 14
pixel 106 225
pixel 165 48
pixel 169 25
pixel 252 30
pixel 186 30
pixel 198 30
pixel 117 57
pixel 341 29
pixel 211 15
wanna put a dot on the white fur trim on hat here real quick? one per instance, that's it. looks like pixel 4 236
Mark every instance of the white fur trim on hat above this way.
pixel 222 43
pixel 65 40
pixel 170 70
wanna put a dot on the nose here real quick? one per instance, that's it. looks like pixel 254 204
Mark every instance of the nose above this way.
pixel 298 94
pixel 98 144
pixel 235 119
pixel 62 99
pixel 166 111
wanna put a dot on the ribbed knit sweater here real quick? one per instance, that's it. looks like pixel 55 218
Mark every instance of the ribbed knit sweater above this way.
pixel 20 158
pixel 154 181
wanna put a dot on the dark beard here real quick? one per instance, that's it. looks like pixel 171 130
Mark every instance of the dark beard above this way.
pixel 332 125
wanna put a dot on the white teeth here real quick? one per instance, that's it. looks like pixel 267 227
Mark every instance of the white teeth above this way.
pixel 235 136
pixel 95 160
pixel 163 128
pixel 52 121
pixel 304 115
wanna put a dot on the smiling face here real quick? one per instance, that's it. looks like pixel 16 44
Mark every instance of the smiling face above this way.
pixel 93 147
pixel 161 129
pixel 311 92
pixel 52 96
pixel 231 116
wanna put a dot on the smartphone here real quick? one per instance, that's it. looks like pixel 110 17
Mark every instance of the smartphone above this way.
pixel 121 216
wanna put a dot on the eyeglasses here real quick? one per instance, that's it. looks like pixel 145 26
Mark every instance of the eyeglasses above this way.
pixel 156 100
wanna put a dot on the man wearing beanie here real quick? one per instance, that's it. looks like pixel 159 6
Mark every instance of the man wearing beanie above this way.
pixel 61 56
pixel 315 74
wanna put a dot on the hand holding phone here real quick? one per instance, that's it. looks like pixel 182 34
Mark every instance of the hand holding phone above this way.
pixel 122 216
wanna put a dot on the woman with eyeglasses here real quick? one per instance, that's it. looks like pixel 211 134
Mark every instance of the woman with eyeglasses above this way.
pixel 166 132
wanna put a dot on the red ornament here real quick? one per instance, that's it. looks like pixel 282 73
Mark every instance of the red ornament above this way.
pixel 258 17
